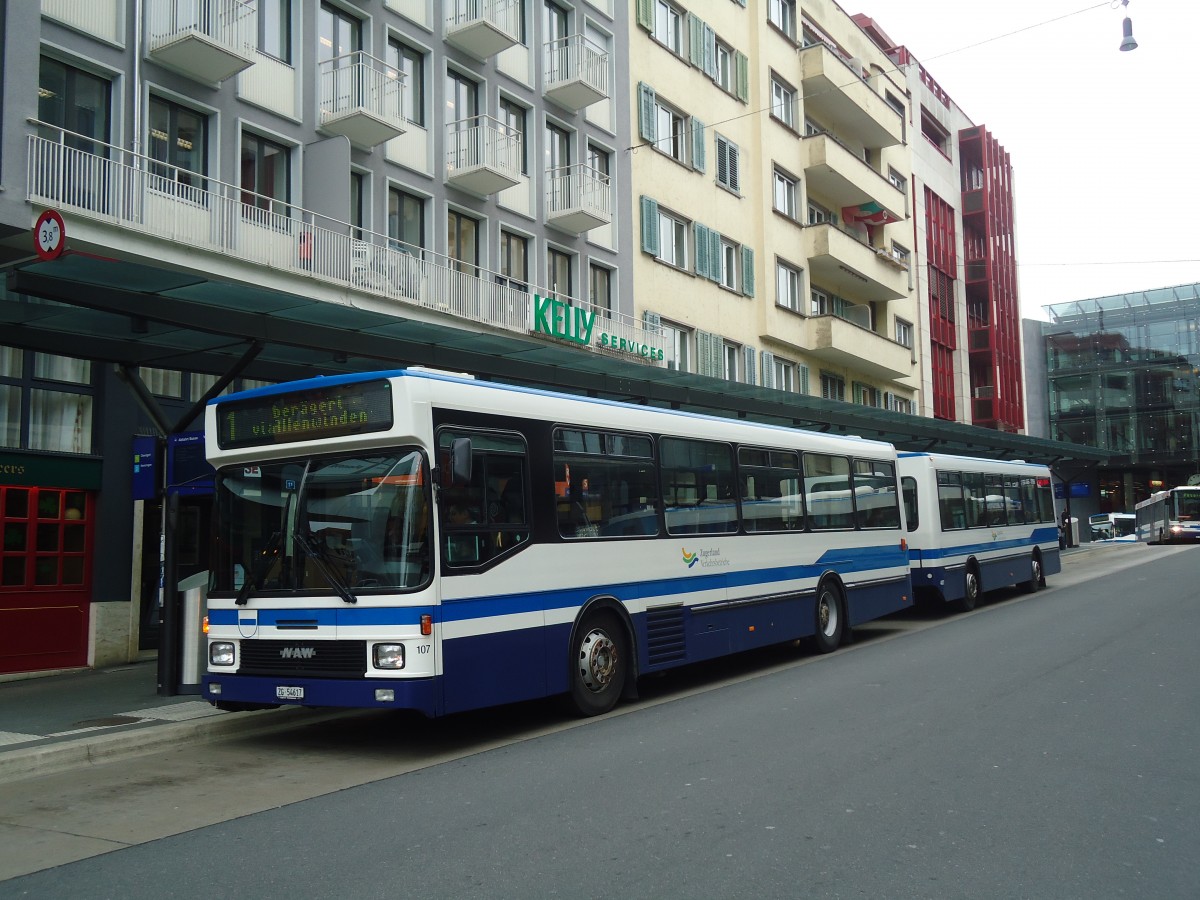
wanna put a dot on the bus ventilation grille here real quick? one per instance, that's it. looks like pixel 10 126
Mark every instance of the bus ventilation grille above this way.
pixel 665 639
pixel 310 659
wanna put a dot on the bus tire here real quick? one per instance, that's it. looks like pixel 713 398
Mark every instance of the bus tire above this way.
pixel 1035 575
pixel 600 663
pixel 971 588
pixel 830 617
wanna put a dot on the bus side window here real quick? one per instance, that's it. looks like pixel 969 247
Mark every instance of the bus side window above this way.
pixel 909 486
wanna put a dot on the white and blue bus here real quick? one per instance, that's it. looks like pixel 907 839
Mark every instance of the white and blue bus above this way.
pixel 1170 516
pixel 977 524
pixel 415 539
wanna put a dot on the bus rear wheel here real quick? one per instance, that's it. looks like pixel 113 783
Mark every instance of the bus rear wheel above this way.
pixel 830 615
pixel 971 590
pixel 1035 575
pixel 599 664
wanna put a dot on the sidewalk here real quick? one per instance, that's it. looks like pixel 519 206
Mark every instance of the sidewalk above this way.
pixel 60 721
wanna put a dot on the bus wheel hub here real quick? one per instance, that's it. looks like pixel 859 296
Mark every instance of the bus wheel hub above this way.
pixel 597 660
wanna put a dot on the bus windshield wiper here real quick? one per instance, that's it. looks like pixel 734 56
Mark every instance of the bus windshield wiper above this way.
pixel 317 552
pixel 266 558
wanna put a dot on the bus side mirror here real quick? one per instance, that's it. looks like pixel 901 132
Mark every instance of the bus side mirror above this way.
pixel 460 462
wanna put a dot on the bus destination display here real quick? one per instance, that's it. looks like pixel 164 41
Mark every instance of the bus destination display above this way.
pixel 324 412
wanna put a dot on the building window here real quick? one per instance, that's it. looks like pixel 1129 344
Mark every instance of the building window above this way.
pixel 783 102
pixel 784 374
pixel 729 257
pixel 785 194
pixel 555 22
pixel 782 14
pixel 558 273
pixel 904 333
pixel 514 261
pixel 600 289
pixel 671 132
pixel 178 137
pixel 462 242
pixel 897 180
pixel 787 287
pixel 406 221
pixel 46 402
pixel 833 387
pixel 162 382
pixel 819 215
pixel 678 341
pixel 462 99
pixel 275 29
pixel 558 149
pixel 866 395
pixel 821 304
pixel 728 165
pixel 731 357
pixel 513 115
pixel 811 128
pixel 75 101
pixel 410 64
pixel 933 131
pixel 667 30
pixel 726 73
pixel 900 254
pixel 266 175
pixel 672 240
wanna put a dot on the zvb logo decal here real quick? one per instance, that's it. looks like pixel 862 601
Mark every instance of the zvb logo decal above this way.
pixel 690 558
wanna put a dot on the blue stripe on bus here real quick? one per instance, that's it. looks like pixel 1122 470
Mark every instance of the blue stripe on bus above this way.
pixel 1039 536
pixel 274 617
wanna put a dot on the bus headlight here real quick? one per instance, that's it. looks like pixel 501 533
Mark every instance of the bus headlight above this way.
pixel 220 653
pixel 388 656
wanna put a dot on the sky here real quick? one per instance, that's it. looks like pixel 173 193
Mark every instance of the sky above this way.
pixel 1105 145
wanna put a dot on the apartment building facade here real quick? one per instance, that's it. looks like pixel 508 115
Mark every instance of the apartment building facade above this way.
pixel 445 164
pixel 770 167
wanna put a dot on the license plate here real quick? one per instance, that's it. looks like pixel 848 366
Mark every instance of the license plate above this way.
pixel 289 693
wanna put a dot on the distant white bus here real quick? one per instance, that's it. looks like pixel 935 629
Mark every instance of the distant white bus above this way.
pixel 1106 526
pixel 977 524
pixel 1170 516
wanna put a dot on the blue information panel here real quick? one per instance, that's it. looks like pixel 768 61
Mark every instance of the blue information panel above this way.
pixel 188 471
pixel 145 467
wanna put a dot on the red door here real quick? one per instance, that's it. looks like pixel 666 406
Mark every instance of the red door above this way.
pixel 45 577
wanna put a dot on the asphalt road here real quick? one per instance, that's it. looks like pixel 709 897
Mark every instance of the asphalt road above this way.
pixel 1038 747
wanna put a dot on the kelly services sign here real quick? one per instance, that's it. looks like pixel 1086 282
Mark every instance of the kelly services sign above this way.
pixel 560 320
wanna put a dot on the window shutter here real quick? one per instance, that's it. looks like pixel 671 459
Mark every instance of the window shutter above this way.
pixel 743 76
pixel 714 255
pixel 768 369
pixel 697 145
pixel 650 225
pixel 732 164
pixel 747 271
pixel 704 342
pixel 647 123
pixel 710 53
pixel 859 393
pixel 803 379
pixel 702 245
pixel 748 363
pixel 722 160
pixel 645 14
pixel 652 322
pixel 695 27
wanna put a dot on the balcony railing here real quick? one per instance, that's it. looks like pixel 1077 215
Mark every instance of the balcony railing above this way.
pixel 576 72
pixel 208 40
pixel 483 28
pixel 578 198
pixel 107 184
pixel 483 155
pixel 362 98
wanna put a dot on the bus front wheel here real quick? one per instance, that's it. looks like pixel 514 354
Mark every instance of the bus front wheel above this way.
pixel 971 591
pixel 830 618
pixel 599 664
pixel 1035 575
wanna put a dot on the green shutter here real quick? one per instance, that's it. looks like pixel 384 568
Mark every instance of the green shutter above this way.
pixel 702 261
pixel 695 29
pixel 714 255
pixel 768 369
pixel 697 145
pixel 747 271
pixel 743 76
pixel 710 53
pixel 650 226
pixel 748 363
pixel 645 14
pixel 647 122
pixel 803 380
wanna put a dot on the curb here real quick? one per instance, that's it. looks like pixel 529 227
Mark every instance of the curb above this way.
pixel 91 750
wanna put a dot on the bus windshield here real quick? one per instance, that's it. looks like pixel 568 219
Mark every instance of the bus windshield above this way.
pixel 1187 506
pixel 347 524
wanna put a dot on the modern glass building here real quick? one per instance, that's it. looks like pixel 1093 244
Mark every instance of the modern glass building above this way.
pixel 1122 373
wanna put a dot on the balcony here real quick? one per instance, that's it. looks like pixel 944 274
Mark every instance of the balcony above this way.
pixel 100 18
pixel 576 72
pixel 206 40
pixel 361 98
pixel 837 175
pixel 841 343
pixel 482 28
pixel 851 268
pixel 578 198
pixel 147 208
pixel 841 98
pixel 483 155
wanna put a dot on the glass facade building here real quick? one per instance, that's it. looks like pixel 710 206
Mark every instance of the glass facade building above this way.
pixel 1122 374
